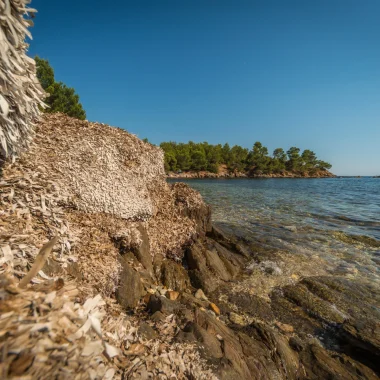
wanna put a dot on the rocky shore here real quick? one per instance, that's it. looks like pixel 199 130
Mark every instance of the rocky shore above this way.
pixel 227 174
pixel 141 284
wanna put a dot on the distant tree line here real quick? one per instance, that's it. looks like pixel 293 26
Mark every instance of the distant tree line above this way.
pixel 204 156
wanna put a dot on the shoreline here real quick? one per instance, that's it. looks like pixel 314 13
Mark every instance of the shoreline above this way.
pixel 209 175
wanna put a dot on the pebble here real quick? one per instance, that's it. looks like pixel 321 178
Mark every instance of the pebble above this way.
pixel 172 295
pixel 237 319
pixel 200 295
pixel 214 308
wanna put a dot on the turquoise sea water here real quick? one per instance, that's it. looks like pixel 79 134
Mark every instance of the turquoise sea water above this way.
pixel 326 217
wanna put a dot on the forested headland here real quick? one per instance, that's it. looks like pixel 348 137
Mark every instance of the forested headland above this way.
pixel 196 157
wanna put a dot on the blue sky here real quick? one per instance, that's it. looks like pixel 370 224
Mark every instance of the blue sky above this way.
pixel 287 73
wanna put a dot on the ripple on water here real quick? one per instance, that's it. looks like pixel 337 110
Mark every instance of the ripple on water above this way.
pixel 337 220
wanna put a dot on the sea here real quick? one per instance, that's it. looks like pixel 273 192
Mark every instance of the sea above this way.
pixel 336 220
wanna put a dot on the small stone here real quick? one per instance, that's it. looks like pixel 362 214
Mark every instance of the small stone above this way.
pixel 214 308
pixel 284 327
pixel 290 228
pixel 237 319
pixel 172 295
pixel 200 295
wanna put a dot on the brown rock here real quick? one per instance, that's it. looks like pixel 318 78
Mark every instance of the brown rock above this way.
pixel 174 276
pixel 284 327
pixel 130 288
pixel 172 295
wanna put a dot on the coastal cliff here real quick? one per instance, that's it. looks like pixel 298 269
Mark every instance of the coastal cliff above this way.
pixel 140 284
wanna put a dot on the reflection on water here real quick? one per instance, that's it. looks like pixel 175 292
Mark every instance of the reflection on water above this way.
pixel 335 218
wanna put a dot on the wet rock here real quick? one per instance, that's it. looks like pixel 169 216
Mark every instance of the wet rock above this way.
pixel 345 311
pixel 319 364
pixel 290 228
pixel 270 267
pixel 174 276
pixel 130 289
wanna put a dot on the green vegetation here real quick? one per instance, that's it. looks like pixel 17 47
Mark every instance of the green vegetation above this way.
pixel 203 156
pixel 61 98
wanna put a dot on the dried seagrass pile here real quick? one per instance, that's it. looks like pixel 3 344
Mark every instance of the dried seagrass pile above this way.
pixel 68 324
pixel 20 91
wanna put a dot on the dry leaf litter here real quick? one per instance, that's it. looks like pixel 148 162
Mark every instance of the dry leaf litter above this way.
pixel 20 92
pixel 70 326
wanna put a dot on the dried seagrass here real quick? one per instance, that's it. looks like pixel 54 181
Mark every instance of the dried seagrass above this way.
pixel 41 197
pixel 20 92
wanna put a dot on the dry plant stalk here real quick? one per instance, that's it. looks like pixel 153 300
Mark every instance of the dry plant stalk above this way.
pixel 39 262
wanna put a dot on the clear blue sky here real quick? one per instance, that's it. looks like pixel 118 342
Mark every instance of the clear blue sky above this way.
pixel 287 73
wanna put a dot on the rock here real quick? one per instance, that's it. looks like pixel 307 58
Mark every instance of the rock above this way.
pixel 162 304
pixel 147 332
pixel 270 267
pixel 296 344
pixel 209 342
pixel 172 295
pixel 214 308
pixel 345 311
pixel 158 316
pixel 142 252
pixel 237 319
pixel 201 276
pixel 284 327
pixel 200 295
pixel 130 289
pixel 216 265
pixel 290 228
pixel 174 276
pixel 192 302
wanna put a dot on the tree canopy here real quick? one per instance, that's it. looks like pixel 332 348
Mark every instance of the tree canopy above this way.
pixel 61 97
pixel 204 156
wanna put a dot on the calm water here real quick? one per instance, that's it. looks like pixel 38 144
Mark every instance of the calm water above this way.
pixel 304 216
